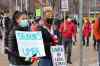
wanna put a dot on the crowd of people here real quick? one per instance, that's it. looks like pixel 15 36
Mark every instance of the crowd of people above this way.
pixel 55 31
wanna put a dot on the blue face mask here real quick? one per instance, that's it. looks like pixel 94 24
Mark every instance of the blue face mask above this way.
pixel 23 23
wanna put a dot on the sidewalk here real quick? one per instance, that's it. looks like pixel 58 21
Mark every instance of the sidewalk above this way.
pixel 89 55
pixel 89 58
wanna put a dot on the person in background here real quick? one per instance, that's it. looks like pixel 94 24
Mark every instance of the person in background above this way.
pixel 67 32
pixel 75 26
pixel 20 23
pixel 96 31
pixel 1 24
pixel 86 32
pixel 94 40
pixel 7 27
pixel 56 32
pixel 5 22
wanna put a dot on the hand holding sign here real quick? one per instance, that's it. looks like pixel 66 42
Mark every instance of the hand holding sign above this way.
pixel 58 55
pixel 30 43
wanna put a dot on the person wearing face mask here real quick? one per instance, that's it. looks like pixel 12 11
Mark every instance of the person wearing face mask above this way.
pixel 19 23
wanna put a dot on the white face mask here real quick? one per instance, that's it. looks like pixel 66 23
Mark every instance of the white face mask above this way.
pixel 23 23
pixel 69 20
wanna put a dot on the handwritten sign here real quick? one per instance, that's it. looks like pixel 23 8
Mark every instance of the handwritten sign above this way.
pixel 30 43
pixel 58 55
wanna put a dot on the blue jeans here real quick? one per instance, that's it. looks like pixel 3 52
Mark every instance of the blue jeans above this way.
pixel 67 47
pixel 19 65
pixel 45 61
pixel 98 49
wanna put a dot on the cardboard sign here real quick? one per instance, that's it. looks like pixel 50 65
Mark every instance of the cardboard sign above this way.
pixel 38 12
pixel 64 5
pixel 30 43
pixel 58 55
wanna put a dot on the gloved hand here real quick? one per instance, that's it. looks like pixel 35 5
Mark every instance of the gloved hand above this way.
pixel 34 59
pixel 54 39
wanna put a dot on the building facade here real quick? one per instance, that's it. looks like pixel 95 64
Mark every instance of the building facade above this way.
pixel 88 5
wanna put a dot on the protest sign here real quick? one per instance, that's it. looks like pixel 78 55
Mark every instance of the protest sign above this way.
pixel 58 55
pixel 30 43
pixel 38 12
pixel 64 5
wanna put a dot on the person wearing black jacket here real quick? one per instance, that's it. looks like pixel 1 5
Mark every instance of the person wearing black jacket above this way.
pixel 47 39
pixel 20 23
pixel 7 22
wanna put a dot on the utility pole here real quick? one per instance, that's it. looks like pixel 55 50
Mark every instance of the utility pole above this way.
pixel 94 8
pixel 89 9
pixel 80 25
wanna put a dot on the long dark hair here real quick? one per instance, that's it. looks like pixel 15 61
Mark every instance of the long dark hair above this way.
pixel 16 15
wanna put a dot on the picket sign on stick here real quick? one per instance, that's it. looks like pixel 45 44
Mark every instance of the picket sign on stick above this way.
pixel 64 9
pixel 64 21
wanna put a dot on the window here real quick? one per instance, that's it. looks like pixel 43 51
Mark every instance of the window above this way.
pixel 97 0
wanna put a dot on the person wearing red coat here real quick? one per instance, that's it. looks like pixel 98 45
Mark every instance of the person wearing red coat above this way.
pixel 96 31
pixel 67 31
pixel 75 32
pixel 86 31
